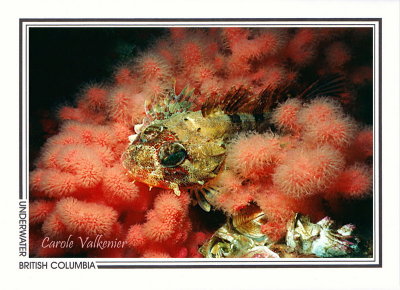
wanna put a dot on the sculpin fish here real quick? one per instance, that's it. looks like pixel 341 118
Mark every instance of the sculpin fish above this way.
pixel 181 148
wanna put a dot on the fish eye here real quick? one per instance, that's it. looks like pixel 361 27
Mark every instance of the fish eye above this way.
pixel 150 133
pixel 172 154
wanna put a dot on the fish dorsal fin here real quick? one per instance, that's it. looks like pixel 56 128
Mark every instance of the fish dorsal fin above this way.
pixel 166 105
pixel 328 85
pixel 268 98
pixel 244 101
pixel 232 102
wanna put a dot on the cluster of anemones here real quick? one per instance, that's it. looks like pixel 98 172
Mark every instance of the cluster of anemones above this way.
pixel 319 155
pixel 79 187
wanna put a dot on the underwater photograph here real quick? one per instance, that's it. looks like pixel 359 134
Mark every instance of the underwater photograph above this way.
pixel 201 142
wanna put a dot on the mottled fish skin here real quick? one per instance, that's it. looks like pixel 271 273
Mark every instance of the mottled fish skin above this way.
pixel 200 141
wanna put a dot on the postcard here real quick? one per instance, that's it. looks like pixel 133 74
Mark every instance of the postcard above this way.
pixel 176 143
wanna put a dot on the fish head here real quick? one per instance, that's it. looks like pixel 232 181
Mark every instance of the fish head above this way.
pixel 164 157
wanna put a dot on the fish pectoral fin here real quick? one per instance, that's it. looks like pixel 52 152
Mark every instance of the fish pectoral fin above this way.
pixel 205 196
pixel 202 202
pixel 175 188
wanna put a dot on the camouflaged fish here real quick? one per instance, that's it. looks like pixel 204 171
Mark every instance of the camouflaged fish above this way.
pixel 179 148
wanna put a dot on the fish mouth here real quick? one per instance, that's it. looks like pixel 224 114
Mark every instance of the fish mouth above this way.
pixel 151 181
pixel 150 178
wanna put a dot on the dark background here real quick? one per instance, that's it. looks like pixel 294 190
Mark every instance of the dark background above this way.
pixel 63 60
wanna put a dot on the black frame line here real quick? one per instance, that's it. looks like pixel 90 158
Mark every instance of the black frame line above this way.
pixel 181 22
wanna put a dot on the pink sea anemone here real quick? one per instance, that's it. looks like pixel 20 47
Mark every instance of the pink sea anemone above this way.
pixel 166 229
pixel 53 227
pixel 192 53
pixel 234 194
pixel 151 66
pixel 320 110
pixel 86 218
pixel 338 133
pixel 117 188
pixel 255 156
pixel 362 145
pixel 279 209
pixel 354 182
pixel 94 99
pixel 39 210
pixel 301 48
pixel 337 54
pixel 306 172
pixel 285 116
pixel 57 184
